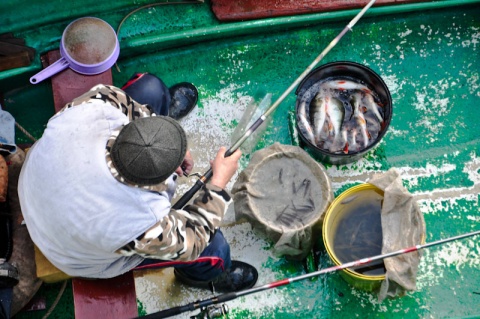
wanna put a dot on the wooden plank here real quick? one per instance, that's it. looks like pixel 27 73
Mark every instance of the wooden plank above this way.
pixel 9 37
pixel 15 60
pixel 8 48
pixel 68 84
pixel 227 10
pixel 105 298
pixel 17 41
pixel 6 35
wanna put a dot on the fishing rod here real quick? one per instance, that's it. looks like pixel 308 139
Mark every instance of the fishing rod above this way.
pixel 205 177
pixel 203 304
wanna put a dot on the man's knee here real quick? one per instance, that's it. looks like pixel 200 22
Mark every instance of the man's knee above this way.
pixel 146 88
pixel 218 247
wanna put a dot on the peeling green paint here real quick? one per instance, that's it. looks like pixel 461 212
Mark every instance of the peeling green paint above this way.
pixel 429 60
pixel 141 309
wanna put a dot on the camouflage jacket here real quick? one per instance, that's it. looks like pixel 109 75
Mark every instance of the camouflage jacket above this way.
pixel 182 234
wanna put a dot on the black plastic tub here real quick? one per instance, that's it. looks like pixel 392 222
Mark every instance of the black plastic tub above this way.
pixel 350 71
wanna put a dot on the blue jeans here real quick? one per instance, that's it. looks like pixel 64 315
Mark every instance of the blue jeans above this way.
pixel 146 88
pixel 211 263
pixel 6 295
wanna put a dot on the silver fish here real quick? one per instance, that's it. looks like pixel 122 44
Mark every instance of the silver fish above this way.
pixel 336 114
pixel 373 125
pixel 349 199
pixel 356 99
pixel 304 124
pixel 344 85
pixel 318 113
pixel 370 104
pixel 351 144
pixel 344 141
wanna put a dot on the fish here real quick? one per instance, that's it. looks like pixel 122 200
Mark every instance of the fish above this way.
pixel 318 114
pixel 346 145
pixel 351 144
pixel 349 199
pixel 336 116
pixel 345 85
pixel 373 125
pixel 327 139
pixel 336 113
pixel 356 231
pixel 305 183
pixel 344 116
pixel 370 105
pixel 304 125
pixel 356 99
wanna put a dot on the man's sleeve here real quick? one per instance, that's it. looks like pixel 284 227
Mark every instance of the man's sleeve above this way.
pixel 183 234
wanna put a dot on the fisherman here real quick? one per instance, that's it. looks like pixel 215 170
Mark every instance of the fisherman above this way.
pixel 96 190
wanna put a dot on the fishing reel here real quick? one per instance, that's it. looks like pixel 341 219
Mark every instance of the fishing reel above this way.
pixel 212 311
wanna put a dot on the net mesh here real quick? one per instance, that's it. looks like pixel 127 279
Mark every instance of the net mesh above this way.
pixel 284 194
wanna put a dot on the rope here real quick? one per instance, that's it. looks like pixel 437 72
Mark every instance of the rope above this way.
pixel 21 128
pixel 55 303
pixel 149 6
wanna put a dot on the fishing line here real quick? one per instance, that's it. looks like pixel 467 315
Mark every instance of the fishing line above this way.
pixel 151 5
pixel 200 304
pixel 205 177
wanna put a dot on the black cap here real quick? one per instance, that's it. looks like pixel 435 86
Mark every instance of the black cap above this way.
pixel 148 150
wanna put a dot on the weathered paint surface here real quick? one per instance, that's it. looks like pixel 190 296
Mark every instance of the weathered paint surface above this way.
pixel 430 62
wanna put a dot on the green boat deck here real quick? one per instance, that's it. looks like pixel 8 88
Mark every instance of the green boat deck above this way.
pixel 428 55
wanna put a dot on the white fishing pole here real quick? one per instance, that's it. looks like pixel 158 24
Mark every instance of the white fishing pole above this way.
pixel 205 177
pixel 201 304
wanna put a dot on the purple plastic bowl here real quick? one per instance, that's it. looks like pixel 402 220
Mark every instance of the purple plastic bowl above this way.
pixel 88 46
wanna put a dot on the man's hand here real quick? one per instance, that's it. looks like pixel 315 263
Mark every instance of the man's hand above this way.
pixel 224 167
pixel 187 165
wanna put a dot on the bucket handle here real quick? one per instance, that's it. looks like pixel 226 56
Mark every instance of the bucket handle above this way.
pixel 52 69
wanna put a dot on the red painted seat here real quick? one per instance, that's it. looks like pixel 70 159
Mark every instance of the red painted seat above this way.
pixel 227 10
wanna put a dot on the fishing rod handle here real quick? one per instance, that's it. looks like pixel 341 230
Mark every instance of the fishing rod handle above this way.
pixel 169 312
pixel 199 184
pixel 192 191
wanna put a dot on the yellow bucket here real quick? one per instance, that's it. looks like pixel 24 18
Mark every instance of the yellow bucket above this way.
pixel 334 216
